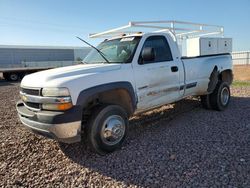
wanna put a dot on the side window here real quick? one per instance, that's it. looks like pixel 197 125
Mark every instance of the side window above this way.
pixel 161 49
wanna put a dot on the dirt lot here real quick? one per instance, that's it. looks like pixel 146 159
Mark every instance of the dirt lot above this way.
pixel 242 72
pixel 172 147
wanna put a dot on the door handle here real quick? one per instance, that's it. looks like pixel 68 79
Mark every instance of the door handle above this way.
pixel 174 69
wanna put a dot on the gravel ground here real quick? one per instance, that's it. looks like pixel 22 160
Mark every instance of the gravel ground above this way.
pixel 179 145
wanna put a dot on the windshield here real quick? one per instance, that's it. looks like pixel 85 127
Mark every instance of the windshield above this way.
pixel 115 51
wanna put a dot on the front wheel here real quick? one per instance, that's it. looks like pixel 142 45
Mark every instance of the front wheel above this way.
pixel 107 128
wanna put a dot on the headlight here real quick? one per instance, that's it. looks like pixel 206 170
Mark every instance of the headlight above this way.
pixel 55 92
pixel 57 99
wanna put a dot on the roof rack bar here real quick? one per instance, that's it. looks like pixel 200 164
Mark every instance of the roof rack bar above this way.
pixel 175 22
pixel 187 33
pixel 115 34
pixel 197 31
pixel 166 28
pixel 187 28
pixel 110 31
pixel 211 33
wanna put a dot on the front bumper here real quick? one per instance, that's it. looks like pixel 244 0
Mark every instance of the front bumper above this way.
pixel 62 126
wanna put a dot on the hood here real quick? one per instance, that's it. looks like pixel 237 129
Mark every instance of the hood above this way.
pixel 58 75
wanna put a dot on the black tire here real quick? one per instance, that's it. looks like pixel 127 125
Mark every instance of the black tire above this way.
pixel 12 76
pixel 205 101
pixel 99 124
pixel 220 97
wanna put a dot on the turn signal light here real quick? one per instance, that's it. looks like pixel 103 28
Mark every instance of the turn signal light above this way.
pixel 60 107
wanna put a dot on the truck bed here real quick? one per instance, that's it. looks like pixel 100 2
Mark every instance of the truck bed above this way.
pixel 198 69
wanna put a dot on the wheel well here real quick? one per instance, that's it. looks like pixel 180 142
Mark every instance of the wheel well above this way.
pixel 226 76
pixel 115 96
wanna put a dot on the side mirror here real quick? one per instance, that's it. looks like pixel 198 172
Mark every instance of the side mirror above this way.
pixel 148 54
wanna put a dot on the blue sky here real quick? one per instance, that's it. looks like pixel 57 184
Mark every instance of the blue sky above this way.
pixel 57 22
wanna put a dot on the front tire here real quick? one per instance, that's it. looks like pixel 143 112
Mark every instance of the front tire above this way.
pixel 220 97
pixel 107 128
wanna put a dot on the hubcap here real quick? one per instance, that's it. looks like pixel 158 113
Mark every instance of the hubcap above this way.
pixel 13 77
pixel 224 96
pixel 113 130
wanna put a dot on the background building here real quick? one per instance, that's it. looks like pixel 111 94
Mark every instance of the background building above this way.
pixel 12 56
pixel 18 61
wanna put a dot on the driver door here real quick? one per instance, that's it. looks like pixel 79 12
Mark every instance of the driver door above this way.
pixel 157 81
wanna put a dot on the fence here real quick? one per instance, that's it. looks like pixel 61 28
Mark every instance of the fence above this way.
pixel 241 58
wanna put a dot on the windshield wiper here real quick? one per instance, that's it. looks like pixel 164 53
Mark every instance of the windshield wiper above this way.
pixel 101 53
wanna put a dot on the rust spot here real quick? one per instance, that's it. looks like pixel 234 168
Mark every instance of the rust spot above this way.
pixel 161 92
pixel 152 93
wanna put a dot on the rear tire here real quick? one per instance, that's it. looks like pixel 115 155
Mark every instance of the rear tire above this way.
pixel 107 128
pixel 220 97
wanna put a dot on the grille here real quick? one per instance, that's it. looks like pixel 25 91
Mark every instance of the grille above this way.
pixel 33 105
pixel 31 91
pixel 35 92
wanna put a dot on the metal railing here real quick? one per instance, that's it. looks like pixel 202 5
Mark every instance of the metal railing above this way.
pixel 180 29
pixel 241 58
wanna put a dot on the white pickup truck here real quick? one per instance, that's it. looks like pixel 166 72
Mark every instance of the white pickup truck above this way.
pixel 128 74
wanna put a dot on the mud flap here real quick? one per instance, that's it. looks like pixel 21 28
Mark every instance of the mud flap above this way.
pixel 213 80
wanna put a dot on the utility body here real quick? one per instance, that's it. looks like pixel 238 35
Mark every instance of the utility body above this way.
pixel 142 71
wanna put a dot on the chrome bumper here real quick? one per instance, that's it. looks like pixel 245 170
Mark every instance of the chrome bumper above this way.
pixel 62 126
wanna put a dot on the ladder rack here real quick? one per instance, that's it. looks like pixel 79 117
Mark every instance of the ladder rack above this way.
pixel 178 29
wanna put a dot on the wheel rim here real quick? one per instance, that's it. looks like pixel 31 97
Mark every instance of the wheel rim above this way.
pixel 224 96
pixel 113 130
pixel 13 77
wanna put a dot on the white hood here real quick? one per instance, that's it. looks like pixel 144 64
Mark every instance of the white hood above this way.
pixel 55 77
